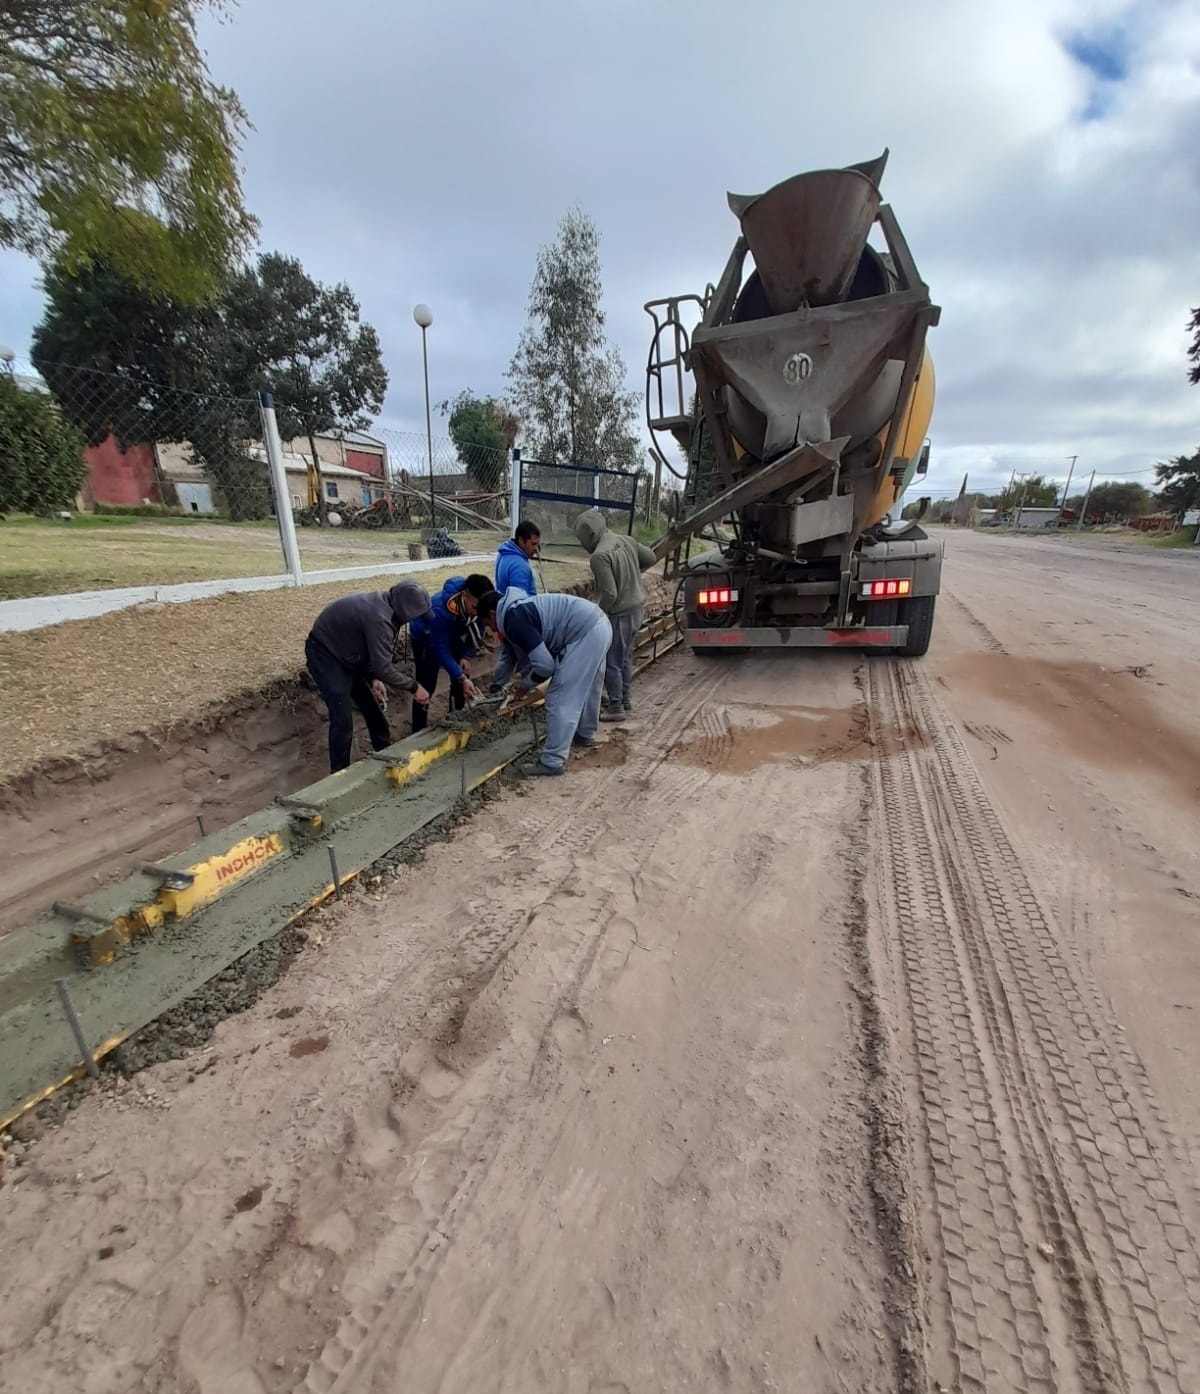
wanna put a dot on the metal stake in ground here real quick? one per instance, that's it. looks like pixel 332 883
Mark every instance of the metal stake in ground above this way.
pixel 64 996
pixel 333 866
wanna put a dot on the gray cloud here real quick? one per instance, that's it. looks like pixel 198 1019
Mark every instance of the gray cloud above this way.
pixel 424 152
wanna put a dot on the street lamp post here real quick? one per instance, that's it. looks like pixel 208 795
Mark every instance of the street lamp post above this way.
pixel 424 317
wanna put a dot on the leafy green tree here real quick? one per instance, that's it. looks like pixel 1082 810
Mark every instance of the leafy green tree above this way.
pixel 567 380
pixel 1179 483
pixel 149 367
pixel 116 143
pixel 1194 350
pixel 1118 502
pixel 305 343
pixel 483 431
pixel 41 454
pixel 1031 492
pixel 140 366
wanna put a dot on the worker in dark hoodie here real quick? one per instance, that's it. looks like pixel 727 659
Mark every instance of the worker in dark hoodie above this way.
pixel 349 654
pixel 617 566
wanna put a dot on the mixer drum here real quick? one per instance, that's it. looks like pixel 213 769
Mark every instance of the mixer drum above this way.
pixel 868 412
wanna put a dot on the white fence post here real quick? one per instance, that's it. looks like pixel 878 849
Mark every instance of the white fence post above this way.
pixel 514 507
pixel 279 487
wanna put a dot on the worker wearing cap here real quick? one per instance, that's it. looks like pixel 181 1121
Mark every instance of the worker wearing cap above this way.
pixel 446 638
pixel 349 654
pixel 617 566
pixel 563 638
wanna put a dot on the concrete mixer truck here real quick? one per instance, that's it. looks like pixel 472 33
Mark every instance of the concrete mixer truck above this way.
pixel 799 393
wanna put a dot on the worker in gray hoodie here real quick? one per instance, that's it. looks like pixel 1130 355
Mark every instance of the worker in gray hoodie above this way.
pixel 617 566
pixel 563 638
pixel 349 654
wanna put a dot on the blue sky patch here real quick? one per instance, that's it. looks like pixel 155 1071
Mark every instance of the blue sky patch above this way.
pixel 1105 54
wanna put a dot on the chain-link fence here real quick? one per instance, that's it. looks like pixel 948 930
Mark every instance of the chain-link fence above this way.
pixel 112 480
pixel 553 496
pixel 377 490
pixel 108 479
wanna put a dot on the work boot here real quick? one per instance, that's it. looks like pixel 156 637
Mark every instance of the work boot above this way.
pixel 535 770
pixel 611 711
pixel 627 706
pixel 585 742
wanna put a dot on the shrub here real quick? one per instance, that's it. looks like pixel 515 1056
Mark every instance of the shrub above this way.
pixel 41 454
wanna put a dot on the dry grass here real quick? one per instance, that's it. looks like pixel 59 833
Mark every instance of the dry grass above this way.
pixel 39 558
pixel 74 688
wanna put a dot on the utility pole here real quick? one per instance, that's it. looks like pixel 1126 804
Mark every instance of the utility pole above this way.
pixel 1024 496
pixel 424 317
pixel 1067 485
pixel 1083 510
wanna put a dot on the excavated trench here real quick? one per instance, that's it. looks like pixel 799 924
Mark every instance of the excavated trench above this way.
pixel 75 825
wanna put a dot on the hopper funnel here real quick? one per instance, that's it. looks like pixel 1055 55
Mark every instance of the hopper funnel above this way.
pixel 807 234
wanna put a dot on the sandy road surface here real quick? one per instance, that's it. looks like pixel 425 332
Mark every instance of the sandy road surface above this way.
pixel 548 1112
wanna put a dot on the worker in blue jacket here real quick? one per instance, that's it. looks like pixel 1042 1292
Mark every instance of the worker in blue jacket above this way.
pixel 514 556
pixel 513 572
pixel 447 638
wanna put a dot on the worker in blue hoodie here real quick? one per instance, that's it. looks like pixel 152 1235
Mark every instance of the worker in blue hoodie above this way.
pixel 564 638
pixel 514 556
pixel 447 638
pixel 513 570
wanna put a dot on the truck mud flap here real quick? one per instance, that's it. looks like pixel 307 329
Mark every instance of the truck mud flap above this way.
pixel 799 637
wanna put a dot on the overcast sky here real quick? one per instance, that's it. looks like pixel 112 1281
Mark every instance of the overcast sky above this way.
pixel 1045 167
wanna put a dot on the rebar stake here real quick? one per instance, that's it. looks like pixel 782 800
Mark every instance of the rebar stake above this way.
pixel 200 825
pixel 333 866
pixel 64 996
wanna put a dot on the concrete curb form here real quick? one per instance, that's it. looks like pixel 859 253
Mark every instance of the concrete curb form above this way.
pixel 132 951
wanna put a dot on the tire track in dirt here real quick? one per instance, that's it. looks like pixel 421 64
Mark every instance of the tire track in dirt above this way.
pixel 1060 1257
pixel 448 1112
pixel 990 642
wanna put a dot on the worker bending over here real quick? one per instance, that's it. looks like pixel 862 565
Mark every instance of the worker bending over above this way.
pixel 513 569
pixel 349 654
pixel 447 638
pixel 617 566
pixel 563 638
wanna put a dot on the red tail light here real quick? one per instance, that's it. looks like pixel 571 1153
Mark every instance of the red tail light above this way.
pixel 723 596
pixel 887 590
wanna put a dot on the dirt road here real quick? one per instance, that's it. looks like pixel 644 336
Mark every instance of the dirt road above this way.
pixel 831 1028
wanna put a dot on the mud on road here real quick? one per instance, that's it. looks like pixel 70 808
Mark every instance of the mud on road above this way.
pixel 832 1027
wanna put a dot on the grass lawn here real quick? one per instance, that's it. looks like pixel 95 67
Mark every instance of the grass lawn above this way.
pixel 1181 537
pixel 99 553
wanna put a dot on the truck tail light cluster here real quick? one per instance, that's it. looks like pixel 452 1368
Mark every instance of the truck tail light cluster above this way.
pixel 715 598
pixel 886 590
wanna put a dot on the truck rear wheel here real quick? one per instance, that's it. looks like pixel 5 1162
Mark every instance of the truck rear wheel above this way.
pixel 917 613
